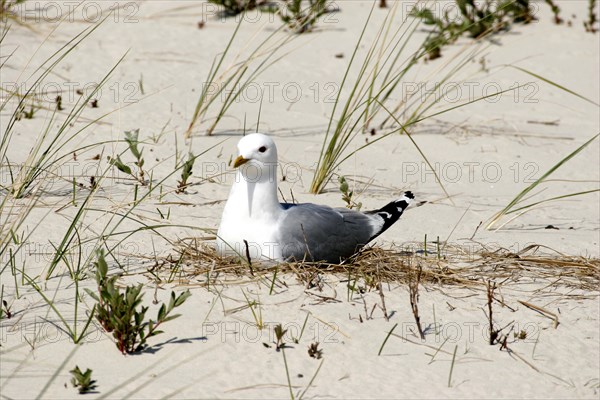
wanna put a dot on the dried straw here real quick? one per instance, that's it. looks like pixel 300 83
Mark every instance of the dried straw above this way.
pixel 195 262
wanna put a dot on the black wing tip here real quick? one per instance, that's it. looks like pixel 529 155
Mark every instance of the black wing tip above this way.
pixel 409 194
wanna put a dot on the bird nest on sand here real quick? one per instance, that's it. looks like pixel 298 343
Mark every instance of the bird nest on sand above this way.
pixel 536 267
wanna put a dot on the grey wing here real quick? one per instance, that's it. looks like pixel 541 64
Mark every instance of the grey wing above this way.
pixel 321 233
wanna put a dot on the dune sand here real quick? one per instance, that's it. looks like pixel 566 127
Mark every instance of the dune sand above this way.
pixel 484 153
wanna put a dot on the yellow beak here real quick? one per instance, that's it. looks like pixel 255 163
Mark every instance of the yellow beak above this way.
pixel 239 161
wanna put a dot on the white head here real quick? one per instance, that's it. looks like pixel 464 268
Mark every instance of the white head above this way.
pixel 256 147
pixel 257 158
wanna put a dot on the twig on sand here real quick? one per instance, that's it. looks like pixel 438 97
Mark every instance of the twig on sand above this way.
pixel 413 288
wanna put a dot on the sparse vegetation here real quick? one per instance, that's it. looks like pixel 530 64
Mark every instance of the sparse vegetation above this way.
pixel 227 83
pixel 186 173
pixel 235 7
pixel 347 195
pixel 118 311
pixel 44 278
pixel 301 16
pixel 475 18
pixel 482 18
pixel 256 308
pixel 132 140
pixel 516 204
pixel 83 380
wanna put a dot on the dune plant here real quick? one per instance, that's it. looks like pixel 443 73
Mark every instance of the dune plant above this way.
pixel 118 311
pixel 279 337
pixel 132 140
pixel 228 83
pixel 515 205
pixel 235 7
pixel 302 16
pixel 477 18
pixel 555 11
pixel 348 195
pixel 314 351
pixel 186 173
pixel 83 380
pixel 50 148
pixel 29 181
pixel 380 73
pixel 299 395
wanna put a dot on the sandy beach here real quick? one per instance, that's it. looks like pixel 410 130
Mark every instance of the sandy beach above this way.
pixel 153 60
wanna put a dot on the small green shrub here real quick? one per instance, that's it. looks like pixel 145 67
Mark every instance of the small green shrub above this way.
pixel 186 173
pixel 477 18
pixel 132 140
pixel 347 195
pixel 118 311
pixel 301 17
pixel 82 380
pixel 235 7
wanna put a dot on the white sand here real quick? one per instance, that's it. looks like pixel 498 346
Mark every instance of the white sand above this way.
pixel 487 153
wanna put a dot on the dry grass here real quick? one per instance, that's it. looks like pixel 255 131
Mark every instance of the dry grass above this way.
pixel 535 268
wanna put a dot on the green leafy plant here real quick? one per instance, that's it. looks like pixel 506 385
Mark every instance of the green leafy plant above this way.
pixel 235 7
pixel 83 380
pixel 301 17
pixel 477 18
pixel 132 140
pixel 347 194
pixel 118 311
pixel 186 172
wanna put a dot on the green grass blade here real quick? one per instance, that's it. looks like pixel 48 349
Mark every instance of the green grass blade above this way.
pixel 528 189
pixel 552 199
pixel 554 84
pixel 386 339
pixel 419 150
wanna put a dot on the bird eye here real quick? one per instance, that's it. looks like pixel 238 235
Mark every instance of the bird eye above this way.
pixel 262 149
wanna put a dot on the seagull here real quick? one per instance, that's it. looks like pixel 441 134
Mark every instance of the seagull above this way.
pixel 256 225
